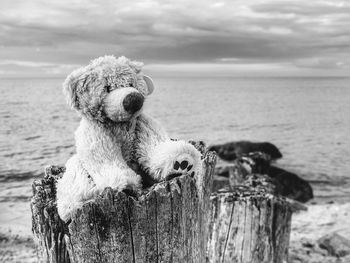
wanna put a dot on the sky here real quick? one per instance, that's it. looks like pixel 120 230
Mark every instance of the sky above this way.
pixel 49 38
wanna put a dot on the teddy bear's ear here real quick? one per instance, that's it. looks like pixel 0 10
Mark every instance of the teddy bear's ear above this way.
pixel 70 88
pixel 149 83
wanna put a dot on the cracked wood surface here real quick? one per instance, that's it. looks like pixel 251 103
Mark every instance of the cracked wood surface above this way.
pixel 247 225
pixel 48 229
pixel 168 223
pixel 173 221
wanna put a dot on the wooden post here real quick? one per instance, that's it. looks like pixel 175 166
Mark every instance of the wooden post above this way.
pixel 248 225
pixel 48 229
pixel 168 223
pixel 174 221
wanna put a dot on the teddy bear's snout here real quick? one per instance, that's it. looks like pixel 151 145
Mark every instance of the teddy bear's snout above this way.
pixel 133 102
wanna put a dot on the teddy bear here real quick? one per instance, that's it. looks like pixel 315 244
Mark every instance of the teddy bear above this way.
pixel 117 145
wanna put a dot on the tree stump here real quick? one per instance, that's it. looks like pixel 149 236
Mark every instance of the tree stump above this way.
pixel 173 221
pixel 248 225
pixel 48 229
pixel 168 223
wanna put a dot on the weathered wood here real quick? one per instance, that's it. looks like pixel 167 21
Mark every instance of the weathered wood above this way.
pixel 48 229
pixel 248 225
pixel 173 221
pixel 167 223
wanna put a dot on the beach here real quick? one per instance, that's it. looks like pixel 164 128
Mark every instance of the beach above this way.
pixel 307 118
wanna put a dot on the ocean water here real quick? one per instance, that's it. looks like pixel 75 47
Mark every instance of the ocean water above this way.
pixel 307 118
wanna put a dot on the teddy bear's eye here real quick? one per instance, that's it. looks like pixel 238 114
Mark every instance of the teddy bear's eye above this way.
pixel 131 84
pixel 108 88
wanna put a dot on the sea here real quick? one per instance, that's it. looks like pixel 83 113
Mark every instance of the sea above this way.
pixel 307 118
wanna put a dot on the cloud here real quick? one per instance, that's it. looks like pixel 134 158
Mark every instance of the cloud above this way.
pixel 315 7
pixel 326 63
pixel 275 32
pixel 11 68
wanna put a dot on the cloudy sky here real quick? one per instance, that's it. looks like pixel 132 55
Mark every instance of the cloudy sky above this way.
pixel 274 37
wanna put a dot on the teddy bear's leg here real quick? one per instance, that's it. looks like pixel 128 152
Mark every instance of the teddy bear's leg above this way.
pixel 117 178
pixel 74 188
pixel 174 158
pixel 77 186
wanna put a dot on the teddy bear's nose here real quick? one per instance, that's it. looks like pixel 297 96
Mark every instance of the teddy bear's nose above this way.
pixel 133 102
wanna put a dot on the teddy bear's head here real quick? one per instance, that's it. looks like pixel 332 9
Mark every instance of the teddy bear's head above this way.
pixel 108 89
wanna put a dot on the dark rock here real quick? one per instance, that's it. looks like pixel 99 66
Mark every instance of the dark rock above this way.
pixel 219 182
pixel 224 170
pixel 291 185
pixel 233 150
pixel 303 251
pixel 254 162
pixel 284 182
pixel 307 244
pixel 262 183
pixel 335 244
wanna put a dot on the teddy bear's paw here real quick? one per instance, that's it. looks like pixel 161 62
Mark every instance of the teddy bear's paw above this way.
pixel 174 158
pixel 118 179
pixel 181 166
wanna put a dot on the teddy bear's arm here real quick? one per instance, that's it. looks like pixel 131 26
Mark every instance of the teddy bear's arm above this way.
pixel 116 177
pixel 101 156
pixel 162 157
pixel 74 188
pixel 78 186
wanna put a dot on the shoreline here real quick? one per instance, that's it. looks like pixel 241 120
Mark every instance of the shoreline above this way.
pixel 16 248
pixel 308 227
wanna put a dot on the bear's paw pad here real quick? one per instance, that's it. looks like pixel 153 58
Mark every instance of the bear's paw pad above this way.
pixel 181 167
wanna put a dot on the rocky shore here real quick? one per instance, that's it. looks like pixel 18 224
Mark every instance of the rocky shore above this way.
pixel 15 248
pixel 321 234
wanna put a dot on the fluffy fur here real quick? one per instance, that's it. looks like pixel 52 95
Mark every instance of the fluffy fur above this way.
pixel 113 143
